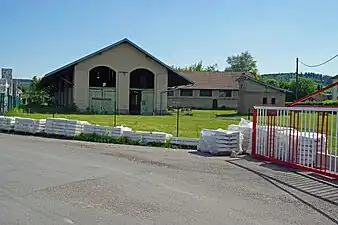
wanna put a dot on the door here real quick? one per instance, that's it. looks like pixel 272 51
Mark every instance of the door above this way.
pixel 147 106
pixel 135 102
pixel 214 104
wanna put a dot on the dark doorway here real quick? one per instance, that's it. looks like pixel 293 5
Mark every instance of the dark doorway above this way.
pixel 214 104
pixel 102 76
pixel 142 79
pixel 134 102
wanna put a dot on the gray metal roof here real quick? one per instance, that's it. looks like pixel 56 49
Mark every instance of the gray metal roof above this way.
pixel 125 40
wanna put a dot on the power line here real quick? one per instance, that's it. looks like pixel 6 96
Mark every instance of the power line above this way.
pixel 320 64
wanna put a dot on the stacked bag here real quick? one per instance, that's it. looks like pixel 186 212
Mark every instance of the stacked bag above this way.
pixel 285 140
pixel 273 138
pixel 147 137
pixel 105 131
pixel 219 141
pixel 308 145
pixel 184 141
pixel 28 125
pixel 64 127
pixel 7 123
pixel 244 127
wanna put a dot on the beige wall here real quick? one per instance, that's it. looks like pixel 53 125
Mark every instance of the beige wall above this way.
pixel 201 102
pixel 123 59
pixel 252 93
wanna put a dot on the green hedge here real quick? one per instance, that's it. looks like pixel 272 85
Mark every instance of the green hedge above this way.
pixel 314 103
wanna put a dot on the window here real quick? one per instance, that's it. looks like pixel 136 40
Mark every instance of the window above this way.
pixel 273 101
pixel 170 93
pixel 225 93
pixel 265 101
pixel 186 92
pixel 206 93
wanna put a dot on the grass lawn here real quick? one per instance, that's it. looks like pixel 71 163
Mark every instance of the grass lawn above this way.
pixel 189 126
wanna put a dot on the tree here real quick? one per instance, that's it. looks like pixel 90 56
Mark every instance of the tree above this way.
pixel 243 62
pixel 272 82
pixel 305 86
pixel 34 93
pixel 284 84
pixel 198 67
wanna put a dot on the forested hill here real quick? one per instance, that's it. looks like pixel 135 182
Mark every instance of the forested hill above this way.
pixel 318 78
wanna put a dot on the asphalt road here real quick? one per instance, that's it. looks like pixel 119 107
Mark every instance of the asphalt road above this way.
pixel 47 181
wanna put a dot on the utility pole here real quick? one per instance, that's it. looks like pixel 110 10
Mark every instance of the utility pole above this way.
pixel 297 60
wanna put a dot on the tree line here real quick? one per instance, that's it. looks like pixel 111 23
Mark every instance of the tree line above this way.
pixel 244 62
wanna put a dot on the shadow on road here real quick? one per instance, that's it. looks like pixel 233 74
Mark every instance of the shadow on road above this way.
pixel 314 185
pixel 317 188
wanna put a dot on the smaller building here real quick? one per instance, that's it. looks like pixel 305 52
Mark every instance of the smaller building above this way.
pixel 211 90
pixel 254 92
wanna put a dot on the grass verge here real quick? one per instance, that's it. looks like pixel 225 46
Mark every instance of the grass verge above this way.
pixel 109 140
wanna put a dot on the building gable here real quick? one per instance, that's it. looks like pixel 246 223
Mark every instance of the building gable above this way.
pixel 123 58
pixel 247 83
pixel 180 78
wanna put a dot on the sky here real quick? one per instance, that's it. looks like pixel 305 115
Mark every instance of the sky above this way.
pixel 38 36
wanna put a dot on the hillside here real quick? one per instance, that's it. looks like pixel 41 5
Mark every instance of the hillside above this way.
pixel 321 79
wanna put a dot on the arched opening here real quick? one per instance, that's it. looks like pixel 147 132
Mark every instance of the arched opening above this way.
pixel 102 76
pixel 102 84
pixel 141 94
pixel 142 79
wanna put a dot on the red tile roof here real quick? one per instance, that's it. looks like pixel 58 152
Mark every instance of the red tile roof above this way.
pixel 213 80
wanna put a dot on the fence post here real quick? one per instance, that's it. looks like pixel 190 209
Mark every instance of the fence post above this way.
pixel 177 121
pixel 115 113
pixel 254 132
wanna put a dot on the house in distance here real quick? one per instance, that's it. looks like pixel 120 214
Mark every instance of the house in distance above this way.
pixel 227 90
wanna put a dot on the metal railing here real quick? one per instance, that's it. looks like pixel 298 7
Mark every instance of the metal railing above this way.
pixel 300 137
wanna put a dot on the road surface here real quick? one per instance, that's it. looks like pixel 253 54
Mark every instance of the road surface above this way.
pixel 48 181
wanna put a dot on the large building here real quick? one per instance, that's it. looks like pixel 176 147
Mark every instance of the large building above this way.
pixel 121 77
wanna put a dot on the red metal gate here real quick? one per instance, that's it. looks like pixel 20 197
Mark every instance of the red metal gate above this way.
pixel 299 137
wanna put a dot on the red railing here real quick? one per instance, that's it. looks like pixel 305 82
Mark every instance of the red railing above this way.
pixel 299 137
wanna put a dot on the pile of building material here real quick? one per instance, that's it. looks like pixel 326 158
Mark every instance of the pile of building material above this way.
pixel 7 123
pixel 28 125
pixel 105 131
pixel 147 137
pixel 245 127
pixel 217 142
pixel 288 144
pixel 273 140
pixel 309 144
pixel 64 127
pixel 185 141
